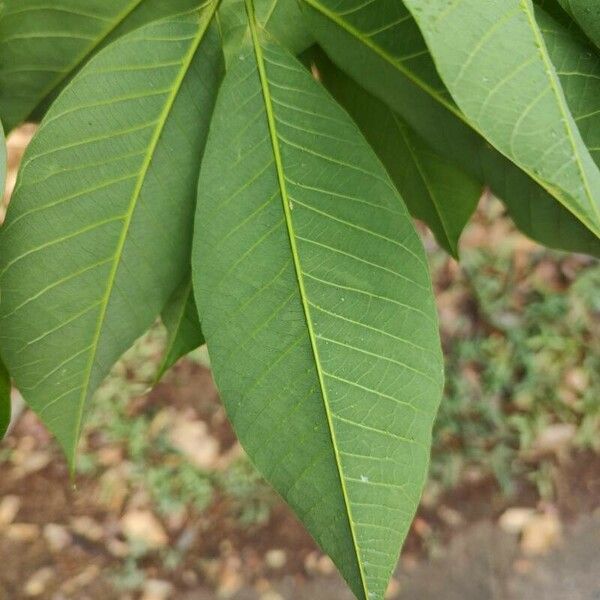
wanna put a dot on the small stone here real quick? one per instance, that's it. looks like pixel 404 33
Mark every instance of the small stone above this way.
pixel 110 456
pixel 83 579
pixel 23 532
pixel 578 379
pixel 326 566
pixel 541 534
pixel 555 438
pixel 311 563
pixel 451 517
pixel 157 589
pixel 9 508
pixel 36 585
pixel 87 528
pixel 231 583
pixel 144 527
pixel 276 559
pixel 57 537
pixel 192 439
pixel 393 589
pixel 514 520
pixel 271 595
pixel 34 462
pixel 118 548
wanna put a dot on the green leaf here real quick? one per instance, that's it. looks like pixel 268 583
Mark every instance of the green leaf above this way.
pixel 184 332
pixel 43 44
pixel 587 14
pixel 514 98
pixel 316 303
pixel 3 160
pixel 435 189
pixel 578 67
pixel 99 229
pixel 379 45
pixel 281 18
pixel 5 401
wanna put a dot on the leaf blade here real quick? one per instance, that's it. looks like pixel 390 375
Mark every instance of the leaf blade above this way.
pixel 259 283
pixel 44 46
pixel 89 258
pixel 384 65
pixel 435 190
pixel 587 15
pixel 5 400
pixel 522 86
pixel 184 333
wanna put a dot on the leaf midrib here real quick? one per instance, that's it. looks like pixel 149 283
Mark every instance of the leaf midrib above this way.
pixel 204 22
pixel 560 97
pixel 81 58
pixel 298 272
pixel 551 189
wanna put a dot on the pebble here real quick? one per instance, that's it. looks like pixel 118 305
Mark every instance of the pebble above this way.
pixel 9 508
pixel 157 589
pixel 541 534
pixel 393 590
pixel 23 532
pixel 271 596
pixel 87 528
pixel 57 537
pixel 36 585
pixel 515 519
pixel 276 559
pixel 143 526
pixel 192 439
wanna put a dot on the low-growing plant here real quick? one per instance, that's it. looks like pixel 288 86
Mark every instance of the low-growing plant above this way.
pixel 242 167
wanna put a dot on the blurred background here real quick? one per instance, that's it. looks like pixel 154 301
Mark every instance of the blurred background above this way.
pixel 165 505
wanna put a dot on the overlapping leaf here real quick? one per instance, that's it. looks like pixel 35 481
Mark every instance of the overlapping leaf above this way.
pixel 435 189
pixel 4 379
pixel 578 67
pixel 493 58
pixel 317 307
pixel 379 45
pixel 98 232
pixel 281 18
pixel 5 407
pixel 587 14
pixel 43 44
pixel 2 161
pixel 184 333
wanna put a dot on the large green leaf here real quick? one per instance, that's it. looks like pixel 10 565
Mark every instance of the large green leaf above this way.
pixel 578 67
pixel 587 15
pixel 99 229
pixel 514 98
pixel 5 406
pixel 2 161
pixel 184 333
pixel 379 45
pixel 434 188
pixel 281 18
pixel 42 44
pixel 316 304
